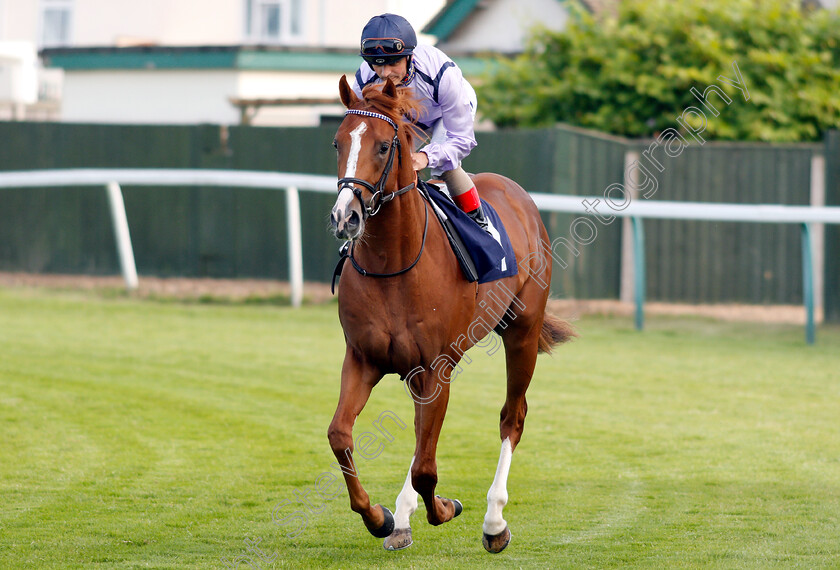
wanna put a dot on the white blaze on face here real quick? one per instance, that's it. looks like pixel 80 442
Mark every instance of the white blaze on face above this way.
pixel 355 149
pixel 345 197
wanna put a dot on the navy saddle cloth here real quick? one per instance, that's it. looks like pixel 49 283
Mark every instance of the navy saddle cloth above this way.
pixel 483 257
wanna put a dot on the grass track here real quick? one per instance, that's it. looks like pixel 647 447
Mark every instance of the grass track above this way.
pixel 139 434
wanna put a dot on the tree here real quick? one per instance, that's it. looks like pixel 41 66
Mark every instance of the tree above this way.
pixel 631 74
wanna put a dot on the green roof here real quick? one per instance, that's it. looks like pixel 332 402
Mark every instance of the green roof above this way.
pixel 452 15
pixel 449 18
pixel 242 58
pixel 212 57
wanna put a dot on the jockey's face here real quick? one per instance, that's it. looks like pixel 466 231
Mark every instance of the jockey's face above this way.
pixel 394 71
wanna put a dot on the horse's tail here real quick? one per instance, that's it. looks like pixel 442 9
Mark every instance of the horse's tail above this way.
pixel 554 331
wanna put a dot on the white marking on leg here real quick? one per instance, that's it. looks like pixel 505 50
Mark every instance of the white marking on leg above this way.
pixel 406 502
pixel 497 496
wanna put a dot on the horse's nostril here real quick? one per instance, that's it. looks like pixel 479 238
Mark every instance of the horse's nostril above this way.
pixel 353 219
pixel 333 220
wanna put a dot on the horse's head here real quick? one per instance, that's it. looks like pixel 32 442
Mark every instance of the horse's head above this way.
pixel 374 148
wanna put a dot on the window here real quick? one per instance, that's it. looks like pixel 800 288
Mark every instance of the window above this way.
pixel 56 22
pixel 273 21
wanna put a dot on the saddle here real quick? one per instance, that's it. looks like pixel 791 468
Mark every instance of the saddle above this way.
pixel 483 256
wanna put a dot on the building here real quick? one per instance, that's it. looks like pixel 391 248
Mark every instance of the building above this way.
pixel 183 61
pixel 499 26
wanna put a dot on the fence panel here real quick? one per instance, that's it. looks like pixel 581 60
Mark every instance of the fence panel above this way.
pixel 306 150
pixel 587 164
pixel 69 230
pixel 563 160
pixel 720 262
pixel 832 232
pixel 221 232
pixel 193 232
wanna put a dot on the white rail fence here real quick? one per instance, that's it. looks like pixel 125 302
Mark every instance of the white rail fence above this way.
pixel 636 210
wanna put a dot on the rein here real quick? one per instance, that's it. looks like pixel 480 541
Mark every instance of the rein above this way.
pixel 376 201
pixel 366 273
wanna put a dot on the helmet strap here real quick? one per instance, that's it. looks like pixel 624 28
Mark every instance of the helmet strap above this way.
pixel 409 71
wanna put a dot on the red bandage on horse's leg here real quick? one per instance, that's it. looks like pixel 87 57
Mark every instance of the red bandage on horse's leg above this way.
pixel 468 201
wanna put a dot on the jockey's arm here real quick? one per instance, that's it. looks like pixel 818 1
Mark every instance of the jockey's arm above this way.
pixel 457 115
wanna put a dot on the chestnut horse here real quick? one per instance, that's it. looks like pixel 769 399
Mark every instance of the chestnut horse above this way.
pixel 407 308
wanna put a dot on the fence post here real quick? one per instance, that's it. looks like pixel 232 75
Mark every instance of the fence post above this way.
pixel 122 236
pixel 639 271
pixel 295 246
pixel 627 293
pixel 808 283
pixel 817 231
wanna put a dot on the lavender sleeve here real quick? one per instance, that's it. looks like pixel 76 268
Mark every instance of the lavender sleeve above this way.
pixel 455 100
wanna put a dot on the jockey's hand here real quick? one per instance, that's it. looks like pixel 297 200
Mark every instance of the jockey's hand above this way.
pixel 419 160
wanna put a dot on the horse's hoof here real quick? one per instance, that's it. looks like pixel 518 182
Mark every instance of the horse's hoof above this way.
pixel 399 539
pixel 387 525
pixel 496 543
pixel 459 508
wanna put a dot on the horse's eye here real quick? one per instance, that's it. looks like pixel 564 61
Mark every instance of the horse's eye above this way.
pixel 384 148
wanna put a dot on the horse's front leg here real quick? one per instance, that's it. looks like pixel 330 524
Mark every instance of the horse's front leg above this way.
pixel 430 400
pixel 357 380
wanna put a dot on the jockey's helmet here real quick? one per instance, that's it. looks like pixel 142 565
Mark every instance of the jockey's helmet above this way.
pixel 387 38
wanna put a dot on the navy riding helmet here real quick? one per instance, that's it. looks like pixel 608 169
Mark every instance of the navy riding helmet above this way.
pixel 386 39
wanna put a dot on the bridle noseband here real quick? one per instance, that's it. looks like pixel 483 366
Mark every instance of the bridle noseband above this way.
pixel 372 207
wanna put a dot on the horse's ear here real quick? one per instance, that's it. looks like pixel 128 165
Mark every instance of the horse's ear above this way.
pixel 348 97
pixel 389 89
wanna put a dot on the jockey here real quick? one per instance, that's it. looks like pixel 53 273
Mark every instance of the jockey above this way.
pixel 389 48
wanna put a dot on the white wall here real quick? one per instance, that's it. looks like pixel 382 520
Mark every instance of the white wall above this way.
pixel 18 72
pixel 21 20
pixel 287 85
pixel 191 96
pixel 344 20
pixel 503 25
pixel 332 23
pixel 154 96
pixel 164 22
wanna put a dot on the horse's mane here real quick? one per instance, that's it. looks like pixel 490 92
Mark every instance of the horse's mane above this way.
pixel 402 109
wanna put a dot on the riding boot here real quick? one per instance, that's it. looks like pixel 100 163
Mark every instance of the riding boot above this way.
pixel 470 203
pixel 478 217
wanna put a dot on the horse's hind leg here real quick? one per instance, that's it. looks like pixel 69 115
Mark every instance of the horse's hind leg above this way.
pixel 406 505
pixel 496 531
pixel 521 343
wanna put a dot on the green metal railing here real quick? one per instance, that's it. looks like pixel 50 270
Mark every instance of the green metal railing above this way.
pixel 638 210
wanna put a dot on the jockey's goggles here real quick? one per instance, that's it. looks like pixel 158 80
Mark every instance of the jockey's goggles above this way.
pixel 381 51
